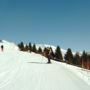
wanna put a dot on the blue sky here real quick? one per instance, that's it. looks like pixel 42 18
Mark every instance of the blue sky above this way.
pixel 57 22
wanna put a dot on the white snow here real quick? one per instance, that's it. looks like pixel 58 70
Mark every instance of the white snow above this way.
pixel 29 71
pixel 8 45
pixel 80 72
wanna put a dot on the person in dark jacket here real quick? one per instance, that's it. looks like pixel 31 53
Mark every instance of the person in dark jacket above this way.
pixel 2 47
pixel 48 52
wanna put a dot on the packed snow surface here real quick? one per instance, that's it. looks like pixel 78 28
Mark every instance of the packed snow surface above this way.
pixel 25 71
pixel 29 71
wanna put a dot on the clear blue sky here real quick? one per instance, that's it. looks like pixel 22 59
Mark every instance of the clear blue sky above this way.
pixel 56 22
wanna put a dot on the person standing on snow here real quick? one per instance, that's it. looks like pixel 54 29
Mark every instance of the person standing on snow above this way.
pixel 2 47
pixel 48 53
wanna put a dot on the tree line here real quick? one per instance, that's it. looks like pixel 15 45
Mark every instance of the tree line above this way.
pixel 70 58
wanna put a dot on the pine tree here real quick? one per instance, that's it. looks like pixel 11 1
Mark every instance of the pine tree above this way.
pixel 88 61
pixel 26 48
pixel 69 56
pixel 84 60
pixel 34 48
pixel 40 50
pixel 58 54
pixel 77 59
pixel 30 47
pixel 84 56
pixel 21 46
pixel 45 49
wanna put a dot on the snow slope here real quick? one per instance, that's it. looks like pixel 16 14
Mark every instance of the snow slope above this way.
pixel 8 45
pixel 29 71
pixel 80 72
pixel 25 71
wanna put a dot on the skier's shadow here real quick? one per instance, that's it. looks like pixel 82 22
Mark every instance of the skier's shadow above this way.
pixel 37 62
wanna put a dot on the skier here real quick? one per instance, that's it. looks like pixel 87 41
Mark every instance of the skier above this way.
pixel 48 52
pixel 2 47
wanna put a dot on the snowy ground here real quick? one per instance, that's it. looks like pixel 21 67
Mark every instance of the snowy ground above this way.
pixel 29 71
pixel 80 72
pixel 25 71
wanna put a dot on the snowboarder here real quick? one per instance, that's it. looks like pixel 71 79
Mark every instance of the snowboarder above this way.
pixel 2 47
pixel 48 52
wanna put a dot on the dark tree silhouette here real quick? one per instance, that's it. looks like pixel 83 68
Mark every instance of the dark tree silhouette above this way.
pixel 84 56
pixel 21 46
pixel 30 47
pixel 69 56
pixel 40 50
pixel 58 54
pixel 26 48
pixel 34 48
pixel 77 60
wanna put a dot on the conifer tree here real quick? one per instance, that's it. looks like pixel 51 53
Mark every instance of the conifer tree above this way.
pixel 58 54
pixel 45 49
pixel 21 46
pixel 88 61
pixel 30 47
pixel 40 50
pixel 77 59
pixel 84 56
pixel 69 56
pixel 26 48
pixel 34 48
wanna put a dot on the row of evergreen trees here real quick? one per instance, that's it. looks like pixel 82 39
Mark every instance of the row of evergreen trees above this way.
pixel 26 47
pixel 72 59
pixel 77 59
pixel 57 55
